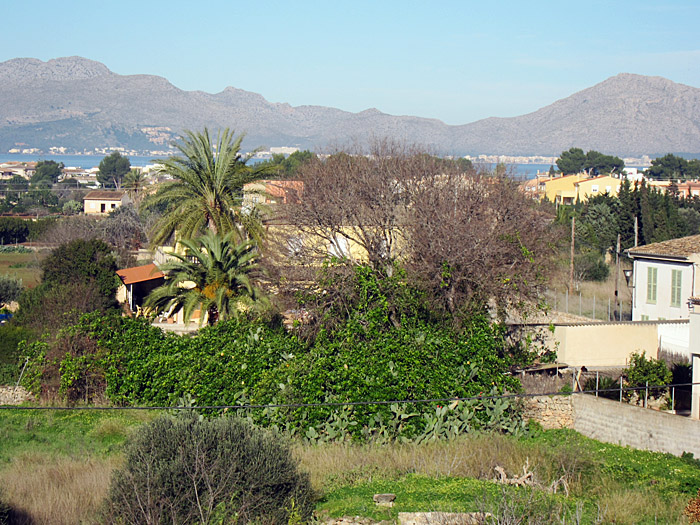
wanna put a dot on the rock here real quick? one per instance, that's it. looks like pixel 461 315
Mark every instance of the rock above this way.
pixel 384 500
pixel 443 518
pixel 9 395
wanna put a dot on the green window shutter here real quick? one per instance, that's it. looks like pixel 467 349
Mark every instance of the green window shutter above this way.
pixel 651 285
pixel 676 281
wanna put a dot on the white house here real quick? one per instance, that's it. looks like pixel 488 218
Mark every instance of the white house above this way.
pixel 666 275
pixel 103 201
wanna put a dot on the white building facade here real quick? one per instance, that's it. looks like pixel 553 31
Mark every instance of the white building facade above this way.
pixel 665 277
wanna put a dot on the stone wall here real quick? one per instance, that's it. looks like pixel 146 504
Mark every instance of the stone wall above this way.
pixel 549 411
pixel 11 396
pixel 643 428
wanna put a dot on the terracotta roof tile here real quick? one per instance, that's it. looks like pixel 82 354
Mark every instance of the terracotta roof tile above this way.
pixel 683 247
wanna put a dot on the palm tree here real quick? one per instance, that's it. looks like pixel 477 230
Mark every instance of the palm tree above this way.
pixel 134 183
pixel 215 275
pixel 207 188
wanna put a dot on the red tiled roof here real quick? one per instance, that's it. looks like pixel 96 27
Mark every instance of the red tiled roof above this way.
pixel 139 274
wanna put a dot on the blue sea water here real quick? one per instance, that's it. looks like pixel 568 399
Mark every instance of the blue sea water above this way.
pixel 72 161
pixel 524 171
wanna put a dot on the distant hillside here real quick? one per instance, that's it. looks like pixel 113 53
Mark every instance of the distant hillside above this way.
pixel 80 104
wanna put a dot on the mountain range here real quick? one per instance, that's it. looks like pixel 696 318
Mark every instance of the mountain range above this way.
pixel 79 104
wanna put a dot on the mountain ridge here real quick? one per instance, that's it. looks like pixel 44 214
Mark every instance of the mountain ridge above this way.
pixel 79 103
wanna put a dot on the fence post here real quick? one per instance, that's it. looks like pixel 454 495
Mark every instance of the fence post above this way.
pixel 673 399
pixel 646 394
pixel 580 312
pixel 620 389
pixel 594 307
pixel 596 383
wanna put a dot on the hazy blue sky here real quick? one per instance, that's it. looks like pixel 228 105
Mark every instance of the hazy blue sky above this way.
pixel 456 61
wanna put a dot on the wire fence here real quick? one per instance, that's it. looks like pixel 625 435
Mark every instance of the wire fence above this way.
pixel 622 391
pixel 593 307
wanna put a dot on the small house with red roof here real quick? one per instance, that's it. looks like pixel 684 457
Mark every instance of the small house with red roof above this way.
pixel 138 282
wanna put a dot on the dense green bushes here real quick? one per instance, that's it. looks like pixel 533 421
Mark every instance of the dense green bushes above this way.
pixel 221 470
pixel 14 229
pixel 10 366
pixel 376 345
pixel 243 361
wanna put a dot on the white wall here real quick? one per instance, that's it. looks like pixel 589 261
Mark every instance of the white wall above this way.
pixel 662 309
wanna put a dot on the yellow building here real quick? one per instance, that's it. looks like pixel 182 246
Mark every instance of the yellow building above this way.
pixel 597 186
pixel 562 190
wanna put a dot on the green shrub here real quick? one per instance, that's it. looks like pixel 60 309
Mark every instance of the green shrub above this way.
pixel 591 266
pixel 10 289
pixel 242 361
pixel 14 249
pixel 643 370
pixel 10 337
pixel 609 385
pixel 223 470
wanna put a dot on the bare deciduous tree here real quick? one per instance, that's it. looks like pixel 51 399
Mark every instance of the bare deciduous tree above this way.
pixel 474 239
pixel 468 236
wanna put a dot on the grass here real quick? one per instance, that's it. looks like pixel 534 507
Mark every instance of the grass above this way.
pixel 68 433
pixel 425 494
pixel 55 467
pixel 23 266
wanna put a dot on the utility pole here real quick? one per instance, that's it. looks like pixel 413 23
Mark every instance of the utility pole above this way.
pixel 617 279
pixel 571 264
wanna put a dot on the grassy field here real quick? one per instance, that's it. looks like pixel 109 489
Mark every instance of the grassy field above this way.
pixel 55 467
pixel 23 266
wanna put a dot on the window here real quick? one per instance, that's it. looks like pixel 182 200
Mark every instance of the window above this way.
pixel 676 280
pixel 645 317
pixel 652 274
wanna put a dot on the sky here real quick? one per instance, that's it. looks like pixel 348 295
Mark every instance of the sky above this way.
pixel 457 61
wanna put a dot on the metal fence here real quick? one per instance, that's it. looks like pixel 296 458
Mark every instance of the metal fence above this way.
pixel 592 307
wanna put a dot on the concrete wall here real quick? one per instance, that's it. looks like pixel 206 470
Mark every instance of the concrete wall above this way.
pixel 642 428
pixel 610 344
pixel 675 338
pixel 604 344
pixel 617 423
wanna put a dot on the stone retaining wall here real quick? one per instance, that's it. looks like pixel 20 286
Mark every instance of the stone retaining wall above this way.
pixel 550 411
pixel 11 396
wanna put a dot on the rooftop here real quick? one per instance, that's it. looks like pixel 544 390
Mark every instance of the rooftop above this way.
pixel 105 195
pixel 677 248
pixel 139 274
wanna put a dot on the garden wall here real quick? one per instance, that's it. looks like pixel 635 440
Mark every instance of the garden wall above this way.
pixel 619 423
pixel 642 428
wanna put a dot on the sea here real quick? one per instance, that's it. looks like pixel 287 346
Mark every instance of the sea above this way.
pixel 521 171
